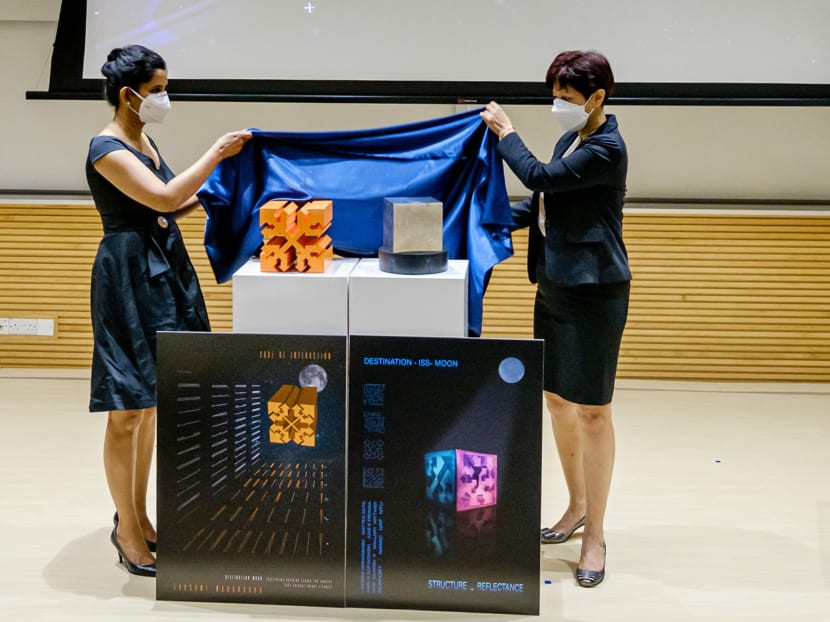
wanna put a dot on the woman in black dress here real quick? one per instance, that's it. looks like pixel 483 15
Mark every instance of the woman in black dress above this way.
pixel 142 281
pixel 577 258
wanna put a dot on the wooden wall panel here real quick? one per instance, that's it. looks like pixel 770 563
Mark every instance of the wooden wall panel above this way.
pixel 46 255
pixel 714 297
pixel 723 297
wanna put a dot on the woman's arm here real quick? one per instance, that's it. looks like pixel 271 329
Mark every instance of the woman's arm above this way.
pixel 522 214
pixel 127 173
pixel 594 163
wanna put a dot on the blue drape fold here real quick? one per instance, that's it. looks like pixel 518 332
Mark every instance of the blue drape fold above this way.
pixel 452 159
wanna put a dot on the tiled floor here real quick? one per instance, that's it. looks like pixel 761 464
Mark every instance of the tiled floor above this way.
pixel 720 510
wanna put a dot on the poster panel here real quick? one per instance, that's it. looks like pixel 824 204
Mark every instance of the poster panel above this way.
pixel 251 468
pixel 444 474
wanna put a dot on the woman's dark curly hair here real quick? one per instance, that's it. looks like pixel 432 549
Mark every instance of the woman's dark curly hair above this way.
pixel 130 66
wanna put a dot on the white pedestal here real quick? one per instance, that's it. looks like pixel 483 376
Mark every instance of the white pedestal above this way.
pixel 292 303
pixel 408 305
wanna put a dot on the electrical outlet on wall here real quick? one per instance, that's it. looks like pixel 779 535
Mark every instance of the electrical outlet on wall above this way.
pixel 27 326
pixel 22 326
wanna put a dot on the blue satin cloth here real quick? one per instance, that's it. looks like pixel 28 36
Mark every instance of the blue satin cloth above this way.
pixel 452 159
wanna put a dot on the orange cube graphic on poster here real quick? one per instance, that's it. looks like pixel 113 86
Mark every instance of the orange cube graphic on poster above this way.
pixel 294 236
pixel 293 414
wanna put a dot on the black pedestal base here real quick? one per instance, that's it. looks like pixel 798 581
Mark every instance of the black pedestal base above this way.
pixel 412 262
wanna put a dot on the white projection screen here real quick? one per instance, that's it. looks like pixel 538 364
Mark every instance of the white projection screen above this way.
pixel 678 51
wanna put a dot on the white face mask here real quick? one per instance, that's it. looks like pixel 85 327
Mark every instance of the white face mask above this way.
pixel 572 117
pixel 153 108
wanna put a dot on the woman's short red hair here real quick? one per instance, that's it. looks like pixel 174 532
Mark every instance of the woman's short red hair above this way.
pixel 584 71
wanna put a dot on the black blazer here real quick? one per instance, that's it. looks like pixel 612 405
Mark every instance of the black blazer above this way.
pixel 584 195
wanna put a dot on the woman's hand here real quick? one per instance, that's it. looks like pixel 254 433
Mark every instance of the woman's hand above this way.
pixel 497 120
pixel 231 143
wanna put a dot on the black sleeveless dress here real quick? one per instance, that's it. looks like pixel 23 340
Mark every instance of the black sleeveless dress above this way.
pixel 142 282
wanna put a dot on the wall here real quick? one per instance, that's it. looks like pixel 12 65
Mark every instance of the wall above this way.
pixel 715 296
pixel 747 303
pixel 676 152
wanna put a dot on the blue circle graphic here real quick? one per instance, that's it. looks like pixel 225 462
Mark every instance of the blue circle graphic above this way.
pixel 511 370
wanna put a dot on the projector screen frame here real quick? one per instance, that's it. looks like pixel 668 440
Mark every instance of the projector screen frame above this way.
pixel 66 82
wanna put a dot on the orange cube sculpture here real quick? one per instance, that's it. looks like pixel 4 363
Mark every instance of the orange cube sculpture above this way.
pixel 294 236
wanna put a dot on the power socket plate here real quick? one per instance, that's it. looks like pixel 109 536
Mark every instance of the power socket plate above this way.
pixel 27 326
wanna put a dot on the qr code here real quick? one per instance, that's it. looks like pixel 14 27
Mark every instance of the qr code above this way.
pixel 373 422
pixel 373 477
pixel 373 450
pixel 373 394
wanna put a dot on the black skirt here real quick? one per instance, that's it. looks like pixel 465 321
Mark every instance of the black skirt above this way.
pixel 582 328
pixel 142 282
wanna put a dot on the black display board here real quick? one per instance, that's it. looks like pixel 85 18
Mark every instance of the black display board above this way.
pixel 405 474
pixel 242 518
pixel 444 474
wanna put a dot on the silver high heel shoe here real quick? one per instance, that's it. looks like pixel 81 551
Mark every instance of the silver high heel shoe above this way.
pixel 591 578
pixel 549 536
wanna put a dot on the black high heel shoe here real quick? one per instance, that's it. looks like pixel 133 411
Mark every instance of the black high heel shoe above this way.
pixel 549 536
pixel 142 570
pixel 591 578
pixel 150 544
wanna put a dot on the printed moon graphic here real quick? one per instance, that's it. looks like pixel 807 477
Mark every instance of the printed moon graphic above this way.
pixel 314 376
pixel 511 370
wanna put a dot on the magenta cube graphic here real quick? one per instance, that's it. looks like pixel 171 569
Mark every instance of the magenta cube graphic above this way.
pixel 460 478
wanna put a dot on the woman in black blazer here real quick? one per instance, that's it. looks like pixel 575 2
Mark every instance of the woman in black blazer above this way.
pixel 577 258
